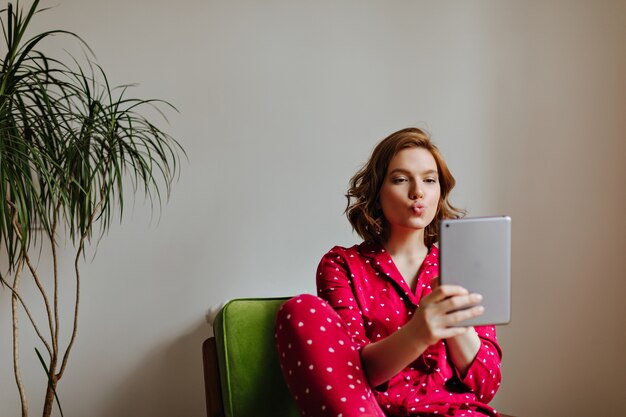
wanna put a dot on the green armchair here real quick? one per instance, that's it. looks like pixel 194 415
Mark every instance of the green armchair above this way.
pixel 241 370
pixel 242 374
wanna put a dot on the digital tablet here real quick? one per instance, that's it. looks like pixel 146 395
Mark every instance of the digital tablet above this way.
pixel 475 253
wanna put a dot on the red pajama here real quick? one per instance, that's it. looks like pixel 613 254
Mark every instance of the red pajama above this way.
pixel 362 299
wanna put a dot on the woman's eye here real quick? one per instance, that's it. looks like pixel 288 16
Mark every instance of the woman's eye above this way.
pixel 398 180
pixel 431 180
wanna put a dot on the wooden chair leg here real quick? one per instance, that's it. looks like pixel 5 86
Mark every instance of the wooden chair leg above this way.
pixel 212 384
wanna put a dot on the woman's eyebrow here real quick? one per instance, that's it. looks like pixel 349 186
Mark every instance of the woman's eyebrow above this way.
pixel 406 171
pixel 400 170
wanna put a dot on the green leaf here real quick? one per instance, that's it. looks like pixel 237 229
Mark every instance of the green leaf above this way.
pixel 68 140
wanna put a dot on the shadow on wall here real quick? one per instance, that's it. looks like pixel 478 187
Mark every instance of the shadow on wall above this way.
pixel 169 381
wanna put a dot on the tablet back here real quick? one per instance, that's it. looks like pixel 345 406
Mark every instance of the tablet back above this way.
pixel 475 253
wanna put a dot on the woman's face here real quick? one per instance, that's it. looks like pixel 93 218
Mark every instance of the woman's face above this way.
pixel 410 192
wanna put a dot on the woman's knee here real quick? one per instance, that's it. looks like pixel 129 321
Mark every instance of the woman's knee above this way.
pixel 301 305
pixel 304 316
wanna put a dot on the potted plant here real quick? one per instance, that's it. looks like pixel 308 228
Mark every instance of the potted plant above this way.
pixel 70 147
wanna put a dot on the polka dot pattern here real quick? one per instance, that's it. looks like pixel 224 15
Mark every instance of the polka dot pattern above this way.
pixel 331 355
pixel 362 299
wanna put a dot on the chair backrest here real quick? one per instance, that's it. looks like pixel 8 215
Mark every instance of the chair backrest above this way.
pixel 251 380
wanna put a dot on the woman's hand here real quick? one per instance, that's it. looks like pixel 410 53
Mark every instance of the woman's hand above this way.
pixel 431 322
pixel 436 317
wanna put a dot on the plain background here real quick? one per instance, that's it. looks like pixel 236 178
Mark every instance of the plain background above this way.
pixel 280 103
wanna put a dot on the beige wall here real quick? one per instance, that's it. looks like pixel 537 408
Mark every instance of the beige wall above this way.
pixel 560 132
pixel 280 103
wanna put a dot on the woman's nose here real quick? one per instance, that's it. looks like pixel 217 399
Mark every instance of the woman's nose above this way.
pixel 416 192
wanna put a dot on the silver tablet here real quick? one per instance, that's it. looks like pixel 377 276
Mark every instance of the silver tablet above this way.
pixel 475 253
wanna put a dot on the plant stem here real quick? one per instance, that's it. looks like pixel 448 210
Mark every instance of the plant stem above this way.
pixel 25 257
pixel 35 275
pixel 16 349
pixel 55 335
pixel 81 248
pixel 30 316
pixel 53 378
pixel 49 400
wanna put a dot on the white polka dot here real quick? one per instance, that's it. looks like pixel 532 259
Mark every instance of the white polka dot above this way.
pixel 312 310
pixel 343 399
pixel 300 324
pixel 328 387
pixel 329 369
pixel 322 328
pixel 331 350
pixel 311 367
pixel 309 342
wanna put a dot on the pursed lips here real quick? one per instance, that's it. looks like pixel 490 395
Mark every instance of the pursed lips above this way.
pixel 417 208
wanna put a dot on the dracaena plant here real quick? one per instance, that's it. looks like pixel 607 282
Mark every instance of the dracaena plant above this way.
pixel 70 148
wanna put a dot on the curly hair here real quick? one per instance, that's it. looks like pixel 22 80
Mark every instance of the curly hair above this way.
pixel 363 210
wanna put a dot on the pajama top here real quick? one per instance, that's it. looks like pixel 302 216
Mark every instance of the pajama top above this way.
pixel 368 292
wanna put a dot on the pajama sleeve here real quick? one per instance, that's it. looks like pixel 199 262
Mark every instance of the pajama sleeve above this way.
pixel 334 285
pixel 483 375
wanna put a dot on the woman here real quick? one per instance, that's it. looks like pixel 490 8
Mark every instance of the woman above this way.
pixel 381 337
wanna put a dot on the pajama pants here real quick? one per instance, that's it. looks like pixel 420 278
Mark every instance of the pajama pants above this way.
pixel 322 365
pixel 320 362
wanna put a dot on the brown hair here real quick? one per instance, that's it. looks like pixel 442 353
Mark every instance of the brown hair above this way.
pixel 362 209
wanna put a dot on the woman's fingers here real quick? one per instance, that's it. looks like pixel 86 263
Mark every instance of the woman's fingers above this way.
pixel 442 310
pixel 459 302
pixel 459 316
